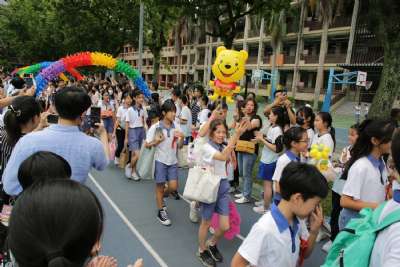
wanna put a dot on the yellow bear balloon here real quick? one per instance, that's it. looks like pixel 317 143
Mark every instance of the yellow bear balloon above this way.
pixel 228 68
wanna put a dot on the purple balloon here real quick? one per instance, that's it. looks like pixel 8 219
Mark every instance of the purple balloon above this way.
pixel 53 70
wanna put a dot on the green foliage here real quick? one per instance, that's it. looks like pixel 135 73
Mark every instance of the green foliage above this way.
pixel 38 30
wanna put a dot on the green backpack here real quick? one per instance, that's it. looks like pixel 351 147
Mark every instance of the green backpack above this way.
pixel 353 245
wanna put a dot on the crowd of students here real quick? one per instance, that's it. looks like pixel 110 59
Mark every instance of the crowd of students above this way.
pixel 37 168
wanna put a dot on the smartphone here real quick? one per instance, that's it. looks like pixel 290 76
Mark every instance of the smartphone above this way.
pixel 52 118
pixel 95 113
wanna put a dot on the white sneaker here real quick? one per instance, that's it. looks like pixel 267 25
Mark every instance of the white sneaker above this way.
pixel 259 203
pixel 211 230
pixel 259 209
pixel 194 212
pixel 128 171
pixel 327 246
pixel 242 200
pixel 135 177
pixel 116 161
pixel 240 195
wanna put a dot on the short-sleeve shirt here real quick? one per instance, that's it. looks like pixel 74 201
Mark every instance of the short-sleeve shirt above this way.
pixel 271 242
pixel 166 150
pixel 364 181
pixel 219 166
pixel 186 114
pixel 249 134
pixel 282 162
pixel 269 156
pixel 135 117
pixel 121 114
pixel 203 115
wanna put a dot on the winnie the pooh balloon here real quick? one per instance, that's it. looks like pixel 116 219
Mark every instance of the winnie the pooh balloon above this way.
pixel 228 68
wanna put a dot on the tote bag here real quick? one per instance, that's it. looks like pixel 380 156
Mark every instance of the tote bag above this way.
pixel 202 185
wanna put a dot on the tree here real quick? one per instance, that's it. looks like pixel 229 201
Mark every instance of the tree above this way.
pixel 386 25
pixel 225 16
pixel 159 22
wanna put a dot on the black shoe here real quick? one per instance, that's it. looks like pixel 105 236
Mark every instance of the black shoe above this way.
pixel 206 258
pixel 163 217
pixel 215 254
pixel 175 195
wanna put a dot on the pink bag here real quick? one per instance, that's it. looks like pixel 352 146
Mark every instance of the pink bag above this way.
pixel 234 222
pixel 112 149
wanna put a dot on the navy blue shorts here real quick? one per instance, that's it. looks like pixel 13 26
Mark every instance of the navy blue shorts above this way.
pixel 165 173
pixel 266 171
pixel 135 138
pixel 221 206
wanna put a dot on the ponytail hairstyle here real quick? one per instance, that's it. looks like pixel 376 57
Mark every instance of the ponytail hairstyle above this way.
pixel 379 129
pixel 280 113
pixel 168 106
pixel 327 119
pixel 55 223
pixel 293 134
pixel 303 114
pixel 21 111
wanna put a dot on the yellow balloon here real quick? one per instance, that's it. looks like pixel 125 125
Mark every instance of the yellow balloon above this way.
pixel 318 155
pixel 314 146
pixel 313 153
pixel 325 155
pixel 327 149
pixel 323 167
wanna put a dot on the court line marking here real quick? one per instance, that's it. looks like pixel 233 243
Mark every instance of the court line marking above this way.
pixel 133 229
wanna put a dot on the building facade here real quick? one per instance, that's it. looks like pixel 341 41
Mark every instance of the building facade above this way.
pixel 198 52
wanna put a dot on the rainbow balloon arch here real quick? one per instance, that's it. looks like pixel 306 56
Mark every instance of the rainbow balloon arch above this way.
pixel 51 70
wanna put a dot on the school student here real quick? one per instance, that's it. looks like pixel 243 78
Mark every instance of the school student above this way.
pixel 135 130
pixel 386 251
pixel 275 239
pixel 205 112
pixel 325 132
pixel 337 187
pixel 270 154
pixel 296 141
pixel 366 174
pixel 119 128
pixel 185 120
pixel 166 136
pixel 305 118
pixel 216 156
pixel 107 113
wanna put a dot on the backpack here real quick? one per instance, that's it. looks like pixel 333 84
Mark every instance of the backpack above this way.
pixel 353 245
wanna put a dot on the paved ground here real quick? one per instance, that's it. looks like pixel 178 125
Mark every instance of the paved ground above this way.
pixel 132 230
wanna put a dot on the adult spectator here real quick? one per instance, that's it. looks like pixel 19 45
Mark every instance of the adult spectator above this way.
pixel 281 100
pixel 82 152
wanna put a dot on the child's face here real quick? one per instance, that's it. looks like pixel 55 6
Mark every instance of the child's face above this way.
pixel 170 116
pixel 301 208
pixel 353 136
pixel 219 135
pixel 302 145
pixel 318 123
pixel 272 118
pixel 139 99
pixel 128 100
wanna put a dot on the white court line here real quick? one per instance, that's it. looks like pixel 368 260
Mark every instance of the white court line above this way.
pixel 148 247
pixel 187 201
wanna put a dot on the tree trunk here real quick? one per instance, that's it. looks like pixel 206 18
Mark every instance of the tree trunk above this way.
pixel 260 53
pixel 320 73
pixel 389 85
pixel 299 48
pixel 156 64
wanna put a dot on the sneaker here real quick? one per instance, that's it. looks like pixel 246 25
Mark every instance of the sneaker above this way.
pixel 135 177
pixel 116 161
pixel 232 190
pixel 163 217
pixel 259 209
pixel 242 200
pixel 240 195
pixel 215 254
pixel 194 212
pixel 175 195
pixel 327 246
pixel 206 258
pixel 259 203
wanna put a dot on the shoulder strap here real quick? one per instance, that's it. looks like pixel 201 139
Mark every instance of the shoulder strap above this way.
pixel 389 219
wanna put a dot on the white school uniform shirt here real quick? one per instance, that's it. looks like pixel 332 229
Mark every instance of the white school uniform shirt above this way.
pixel 282 162
pixel 121 115
pixel 178 113
pixel 270 242
pixel 219 167
pixel 134 117
pixel 364 181
pixel 310 134
pixel 187 115
pixel 203 115
pixel 269 156
pixel 386 251
pixel 325 139
pixel 165 151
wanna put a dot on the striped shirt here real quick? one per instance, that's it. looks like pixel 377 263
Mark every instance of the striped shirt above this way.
pixel 5 149
pixel 195 112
